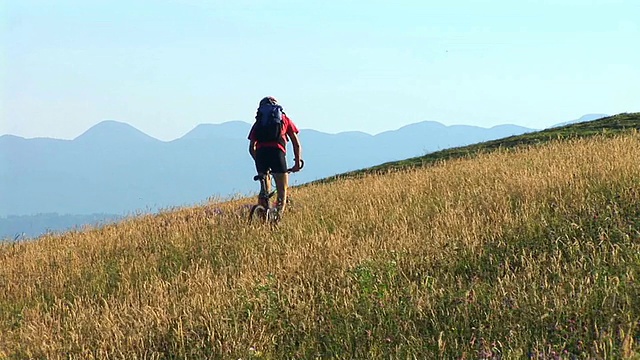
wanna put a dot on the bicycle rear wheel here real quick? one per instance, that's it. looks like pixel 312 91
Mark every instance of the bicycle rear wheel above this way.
pixel 258 214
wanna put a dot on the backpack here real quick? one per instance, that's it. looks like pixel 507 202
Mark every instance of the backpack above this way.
pixel 269 123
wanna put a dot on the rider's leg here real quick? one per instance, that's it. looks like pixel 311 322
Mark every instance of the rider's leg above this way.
pixel 262 200
pixel 262 167
pixel 282 180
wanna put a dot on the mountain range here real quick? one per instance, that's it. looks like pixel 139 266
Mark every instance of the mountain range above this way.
pixel 114 168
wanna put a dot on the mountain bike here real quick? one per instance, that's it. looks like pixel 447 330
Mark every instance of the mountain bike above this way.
pixel 269 214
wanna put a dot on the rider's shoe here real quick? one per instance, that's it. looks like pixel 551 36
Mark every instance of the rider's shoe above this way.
pixel 276 215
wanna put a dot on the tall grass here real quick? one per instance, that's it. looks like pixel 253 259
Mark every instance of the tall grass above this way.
pixel 531 253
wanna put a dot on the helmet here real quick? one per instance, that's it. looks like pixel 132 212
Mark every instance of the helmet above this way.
pixel 268 100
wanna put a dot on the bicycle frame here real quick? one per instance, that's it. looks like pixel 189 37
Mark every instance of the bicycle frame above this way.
pixel 271 213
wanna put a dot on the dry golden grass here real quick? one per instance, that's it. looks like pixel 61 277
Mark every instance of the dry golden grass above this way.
pixel 531 253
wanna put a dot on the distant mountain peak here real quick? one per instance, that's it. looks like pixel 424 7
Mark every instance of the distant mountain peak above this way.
pixel 229 129
pixel 9 137
pixel 583 118
pixel 113 131
pixel 590 117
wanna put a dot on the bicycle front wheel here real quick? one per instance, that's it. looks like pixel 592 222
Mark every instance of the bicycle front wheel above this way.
pixel 258 214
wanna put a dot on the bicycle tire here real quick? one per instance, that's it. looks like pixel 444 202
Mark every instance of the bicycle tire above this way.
pixel 258 214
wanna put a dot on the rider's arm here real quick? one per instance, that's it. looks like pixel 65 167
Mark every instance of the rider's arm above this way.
pixel 252 148
pixel 297 148
pixel 252 143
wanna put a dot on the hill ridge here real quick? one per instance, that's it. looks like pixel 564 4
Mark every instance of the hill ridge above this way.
pixel 609 125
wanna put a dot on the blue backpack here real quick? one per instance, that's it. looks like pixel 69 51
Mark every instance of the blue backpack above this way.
pixel 269 124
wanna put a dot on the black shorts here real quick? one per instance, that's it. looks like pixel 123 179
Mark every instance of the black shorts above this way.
pixel 271 158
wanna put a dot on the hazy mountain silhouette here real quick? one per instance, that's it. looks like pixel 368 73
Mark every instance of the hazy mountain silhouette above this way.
pixel 588 117
pixel 29 226
pixel 114 168
pixel 110 132
pixel 228 130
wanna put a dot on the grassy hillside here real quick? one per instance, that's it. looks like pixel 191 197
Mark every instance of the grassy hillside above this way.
pixel 607 126
pixel 525 252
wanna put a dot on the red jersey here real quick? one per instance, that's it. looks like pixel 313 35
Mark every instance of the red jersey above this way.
pixel 288 129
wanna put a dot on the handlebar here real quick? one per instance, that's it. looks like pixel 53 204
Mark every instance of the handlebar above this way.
pixel 259 176
pixel 301 166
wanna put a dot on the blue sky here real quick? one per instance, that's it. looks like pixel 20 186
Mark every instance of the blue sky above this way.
pixel 165 66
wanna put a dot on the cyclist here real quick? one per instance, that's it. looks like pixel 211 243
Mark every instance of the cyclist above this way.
pixel 271 155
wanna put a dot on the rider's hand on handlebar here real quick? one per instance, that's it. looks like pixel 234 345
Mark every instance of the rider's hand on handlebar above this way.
pixel 297 166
